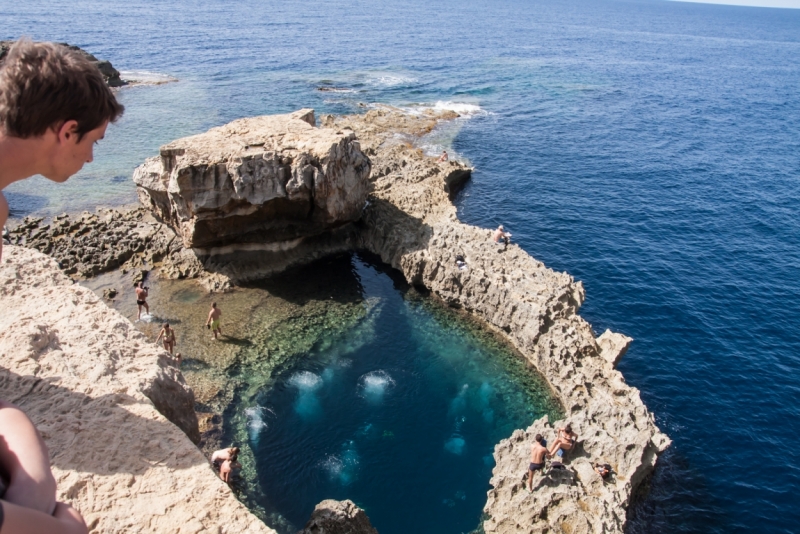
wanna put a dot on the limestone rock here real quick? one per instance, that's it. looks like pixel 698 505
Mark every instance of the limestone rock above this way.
pixel 338 517
pixel 257 180
pixel 613 346
pixel 94 386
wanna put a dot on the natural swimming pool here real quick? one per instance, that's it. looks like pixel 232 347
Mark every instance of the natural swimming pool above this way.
pixel 397 409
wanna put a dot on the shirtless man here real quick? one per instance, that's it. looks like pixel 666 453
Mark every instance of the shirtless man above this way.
pixel 538 452
pixel 223 454
pixel 443 157
pixel 141 299
pixel 54 106
pixel 565 440
pixel 169 338
pixel 213 320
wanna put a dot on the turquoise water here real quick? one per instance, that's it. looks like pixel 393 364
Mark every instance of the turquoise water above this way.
pixel 649 148
pixel 403 407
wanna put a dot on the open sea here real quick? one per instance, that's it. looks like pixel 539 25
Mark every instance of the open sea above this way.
pixel 649 148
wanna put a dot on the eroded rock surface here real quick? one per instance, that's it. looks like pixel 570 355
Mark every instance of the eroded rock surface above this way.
pixel 338 517
pixel 92 384
pixel 411 223
pixel 256 181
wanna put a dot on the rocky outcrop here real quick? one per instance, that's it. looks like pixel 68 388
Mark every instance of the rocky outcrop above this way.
pixel 266 182
pixel 338 517
pixel 110 74
pixel 94 386
pixel 411 223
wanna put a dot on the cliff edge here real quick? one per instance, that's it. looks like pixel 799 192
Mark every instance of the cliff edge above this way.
pixel 96 389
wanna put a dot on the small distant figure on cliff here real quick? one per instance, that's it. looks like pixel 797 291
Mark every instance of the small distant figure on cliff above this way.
pixel 141 300
pixel 461 263
pixel 565 439
pixel 443 157
pixel 501 235
pixel 178 360
pixel 538 452
pixel 228 463
pixel 169 338
pixel 54 106
pixel 213 320
pixel 602 469
pixel 223 454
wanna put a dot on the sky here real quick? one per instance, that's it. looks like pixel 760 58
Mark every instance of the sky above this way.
pixel 756 3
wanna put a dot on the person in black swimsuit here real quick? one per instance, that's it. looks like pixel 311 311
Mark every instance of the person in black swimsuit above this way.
pixel 141 299
pixel 538 452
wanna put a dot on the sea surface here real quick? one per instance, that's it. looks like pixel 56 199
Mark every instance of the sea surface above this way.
pixel 649 148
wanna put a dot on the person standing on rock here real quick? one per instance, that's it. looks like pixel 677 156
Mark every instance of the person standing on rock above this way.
pixel 169 338
pixel 141 300
pixel 54 106
pixel 213 320
pixel 538 452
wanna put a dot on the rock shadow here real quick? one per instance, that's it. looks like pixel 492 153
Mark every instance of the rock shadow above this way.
pixel 106 435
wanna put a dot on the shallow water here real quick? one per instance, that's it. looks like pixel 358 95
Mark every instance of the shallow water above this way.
pixel 649 148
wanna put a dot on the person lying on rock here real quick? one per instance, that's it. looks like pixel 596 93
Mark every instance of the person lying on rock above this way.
pixel 538 452
pixel 169 338
pixel 54 106
pixel 141 300
pixel 223 454
pixel 602 469
pixel 565 439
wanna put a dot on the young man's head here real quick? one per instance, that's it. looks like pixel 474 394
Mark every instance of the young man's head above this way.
pixel 539 439
pixel 57 97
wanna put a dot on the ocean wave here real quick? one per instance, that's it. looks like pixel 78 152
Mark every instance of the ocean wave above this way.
pixel 143 77
pixel 390 80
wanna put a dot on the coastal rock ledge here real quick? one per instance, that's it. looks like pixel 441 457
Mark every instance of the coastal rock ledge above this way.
pixel 103 396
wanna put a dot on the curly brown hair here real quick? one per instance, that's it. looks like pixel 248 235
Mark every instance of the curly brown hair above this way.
pixel 44 85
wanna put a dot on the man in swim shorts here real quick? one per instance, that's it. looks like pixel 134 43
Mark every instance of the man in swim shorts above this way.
pixel 141 299
pixel 213 320
pixel 54 106
pixel 538 452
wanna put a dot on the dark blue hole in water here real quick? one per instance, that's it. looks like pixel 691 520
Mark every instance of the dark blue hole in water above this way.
pixel 401 415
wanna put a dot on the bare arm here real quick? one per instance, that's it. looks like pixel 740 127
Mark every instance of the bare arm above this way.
pixel 21 520
pixel 159 335
pixel 3 218
pixel 24 458
pixel 208 321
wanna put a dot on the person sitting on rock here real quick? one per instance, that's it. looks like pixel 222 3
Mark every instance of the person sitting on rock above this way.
pixel 54 106
pixel 538 452
pixel 443 157
pixel 227 468
pixel 141 300
pixel 169 338
pixel 223 454
pixel 602 469
pixel 565 439
pixel 461 263
pixel 501 235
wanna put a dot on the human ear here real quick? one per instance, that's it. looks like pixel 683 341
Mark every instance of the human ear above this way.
pixel 68 132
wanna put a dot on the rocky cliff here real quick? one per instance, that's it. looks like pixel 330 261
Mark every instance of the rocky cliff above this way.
pixel 411 223
pixel 271 180
pixel 99 392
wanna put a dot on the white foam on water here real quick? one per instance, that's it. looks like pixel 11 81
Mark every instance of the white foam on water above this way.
pixel 147 318
pixel 462 108
pixel 390 80
pixel 459 403
pixel 455 445
pixel 372 386
pixel 255 422
pixel 305 381
pixel 146 77
pixel 343 467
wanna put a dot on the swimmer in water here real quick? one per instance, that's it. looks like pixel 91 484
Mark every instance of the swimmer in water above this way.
pixel 213 320
pixel 141 299
pixel 169 338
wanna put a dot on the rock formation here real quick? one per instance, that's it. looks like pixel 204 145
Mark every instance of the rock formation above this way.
pixel 110 74
pixel 271 180
pixel 338 517
pixel 411 223
pixel 94 386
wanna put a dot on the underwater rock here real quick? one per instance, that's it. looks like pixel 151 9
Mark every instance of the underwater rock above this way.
pixel 338 517
pixel 255 181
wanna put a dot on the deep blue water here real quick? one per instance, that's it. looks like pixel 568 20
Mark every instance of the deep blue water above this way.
pixel 649 148
pixel 400 413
